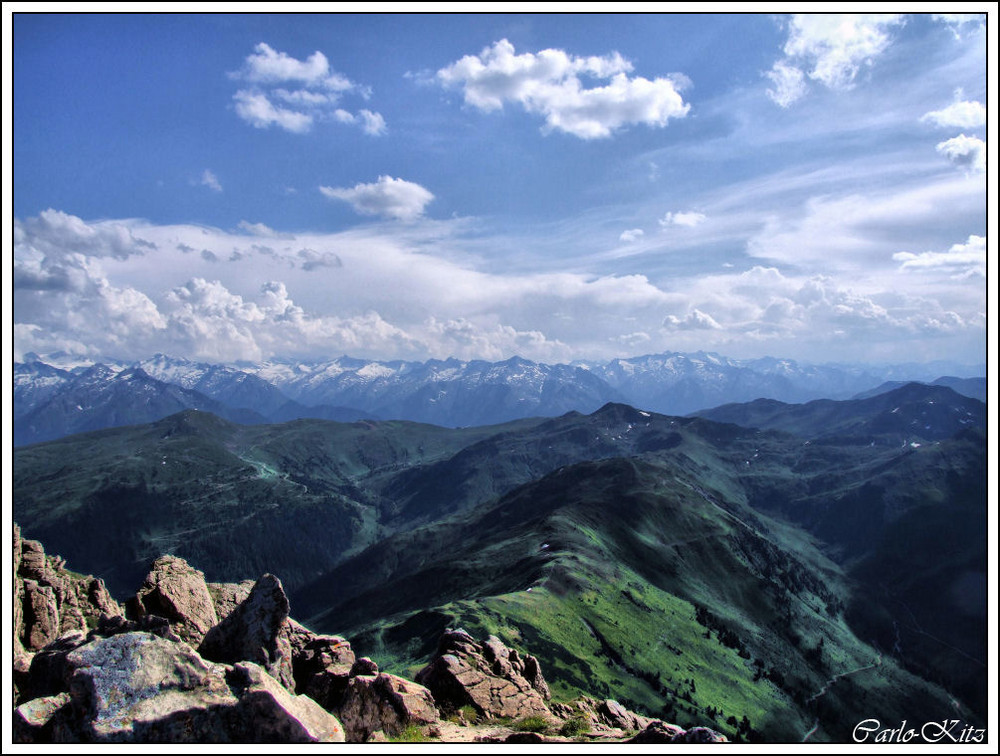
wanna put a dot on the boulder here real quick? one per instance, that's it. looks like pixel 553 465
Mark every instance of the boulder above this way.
pixel 268 713
pixel 658 732
pixel 700 735
pixel 136 687
pixel 253 632
pixel 139 688
pixel 175 590
pixel 322 669
pixel 384 702
pixel 34 720
pixel 487 676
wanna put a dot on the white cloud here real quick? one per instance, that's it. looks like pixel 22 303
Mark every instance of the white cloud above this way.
pixel 210 180
pixel 630 235
pixel 831 48
pixel 388 197
pixel 315 92
pixel 965 152
pixel 963 115
pixel 958 21
pixel 960 261
pixel 268 66
pixel 696 320
pixel 789 83
pixel 260 112
pixel 56 234
pixel 257 229
pixel 416 290
pixel 688 219
pixel 373 124
pixel 549 84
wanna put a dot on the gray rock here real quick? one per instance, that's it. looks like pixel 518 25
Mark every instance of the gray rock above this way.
pixel 136 687
pixel 658 732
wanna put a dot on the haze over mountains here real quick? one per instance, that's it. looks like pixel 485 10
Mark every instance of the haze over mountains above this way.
pixel 684 566
pixel 50 402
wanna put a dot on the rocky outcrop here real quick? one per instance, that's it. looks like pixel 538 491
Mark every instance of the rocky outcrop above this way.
pixel 255 631
pixel 86 673
pixel 487 676
pixel 50 601
pixel 176 591
pixel 385 703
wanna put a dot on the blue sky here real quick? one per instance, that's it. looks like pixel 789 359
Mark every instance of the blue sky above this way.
pixel 560 187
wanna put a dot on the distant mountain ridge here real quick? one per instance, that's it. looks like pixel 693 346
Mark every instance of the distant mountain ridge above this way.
pixel 450 393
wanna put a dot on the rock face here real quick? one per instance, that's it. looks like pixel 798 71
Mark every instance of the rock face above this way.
pixel 385 703
pixel 255 631
pixel 228 596
pixel 176 591
pixel 50 601
pixel 487 676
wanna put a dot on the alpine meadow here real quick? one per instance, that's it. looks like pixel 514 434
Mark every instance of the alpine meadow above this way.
pixel 499 378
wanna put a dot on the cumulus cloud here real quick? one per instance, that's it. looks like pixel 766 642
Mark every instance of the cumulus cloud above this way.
pixel 388 197
pixel 963 115
pixel 694 320
pixel 965 152
pixel 308 92
pixel 260 112
pixel 210 180
pixel 268 66
pixel 960 261
pixel 56 234
pixel 395 291
pixel 688 219
pixel 828 48
pixel 632 234
pixel 552 84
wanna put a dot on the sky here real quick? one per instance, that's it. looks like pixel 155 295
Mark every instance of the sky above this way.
pixel 558 187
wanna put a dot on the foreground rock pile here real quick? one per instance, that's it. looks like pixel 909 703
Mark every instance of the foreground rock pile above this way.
pixel 186 661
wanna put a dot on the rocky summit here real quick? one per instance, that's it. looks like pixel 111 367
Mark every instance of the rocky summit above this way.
pixel 185 661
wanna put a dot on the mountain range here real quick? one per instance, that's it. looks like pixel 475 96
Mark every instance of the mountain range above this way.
pixel 802 569
pixel 51 402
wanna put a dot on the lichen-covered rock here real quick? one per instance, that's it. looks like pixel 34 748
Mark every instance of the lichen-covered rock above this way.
pixel 33 720
pixel 49 673
pixel 136 687
pixel 175 590
pixel 487 676
pixel 253 632
pixel 384 703
pixel 139 688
